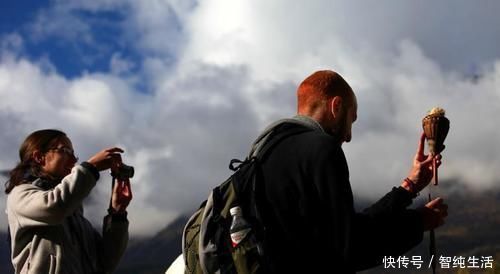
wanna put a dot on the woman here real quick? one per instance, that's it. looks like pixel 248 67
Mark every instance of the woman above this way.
pixel 48 231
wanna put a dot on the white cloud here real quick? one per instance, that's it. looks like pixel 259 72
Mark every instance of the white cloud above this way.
pixel 119 65
pixel 157 25
pixel 219 71
pixel 60 23
pixel 11 43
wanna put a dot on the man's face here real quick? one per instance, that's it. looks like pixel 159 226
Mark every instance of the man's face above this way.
pixel 348 116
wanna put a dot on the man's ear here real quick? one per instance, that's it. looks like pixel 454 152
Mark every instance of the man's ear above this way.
pixel 38 157
pixel 336 106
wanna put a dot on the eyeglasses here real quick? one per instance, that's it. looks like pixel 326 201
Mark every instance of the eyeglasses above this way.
pixel 65 150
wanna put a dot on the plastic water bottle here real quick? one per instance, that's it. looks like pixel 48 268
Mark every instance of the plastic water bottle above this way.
pixel 240 228
pixel 247 251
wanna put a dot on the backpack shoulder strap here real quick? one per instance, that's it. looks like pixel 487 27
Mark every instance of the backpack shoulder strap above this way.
pixel 282 132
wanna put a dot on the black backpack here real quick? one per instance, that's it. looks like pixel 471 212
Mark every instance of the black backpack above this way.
pixel 206 242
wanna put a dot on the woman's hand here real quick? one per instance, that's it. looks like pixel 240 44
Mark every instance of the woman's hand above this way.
pixel 121 195
pixel 105 158
pixel 110 158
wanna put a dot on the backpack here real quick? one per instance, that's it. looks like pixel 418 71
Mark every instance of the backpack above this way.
pixel 206 242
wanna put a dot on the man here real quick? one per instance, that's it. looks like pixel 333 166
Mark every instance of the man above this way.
pixel 311 225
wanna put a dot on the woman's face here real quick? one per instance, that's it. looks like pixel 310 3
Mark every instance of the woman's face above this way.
pixel 60 159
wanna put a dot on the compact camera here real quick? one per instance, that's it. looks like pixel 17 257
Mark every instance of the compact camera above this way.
pixel 124 172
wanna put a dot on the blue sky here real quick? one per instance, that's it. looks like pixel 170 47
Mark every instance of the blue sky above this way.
pixel 185 86
pixel 70 53
pixel 16 13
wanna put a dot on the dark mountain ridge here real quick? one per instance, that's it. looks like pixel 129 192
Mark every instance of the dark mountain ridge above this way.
pixel 472 229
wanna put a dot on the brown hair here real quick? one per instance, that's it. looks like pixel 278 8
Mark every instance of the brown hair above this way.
pixel 41 140
pixel 321 86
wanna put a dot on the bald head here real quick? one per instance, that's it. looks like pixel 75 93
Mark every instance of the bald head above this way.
pixel 327 98
pixel 316 90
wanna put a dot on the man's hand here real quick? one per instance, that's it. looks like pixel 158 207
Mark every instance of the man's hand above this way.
pixel 434 213
pixel 106 158
pixel 420 174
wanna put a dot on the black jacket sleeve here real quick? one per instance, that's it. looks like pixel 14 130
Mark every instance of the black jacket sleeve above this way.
pixel 393 229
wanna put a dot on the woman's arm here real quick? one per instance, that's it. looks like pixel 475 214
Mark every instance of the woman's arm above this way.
pixel 34 206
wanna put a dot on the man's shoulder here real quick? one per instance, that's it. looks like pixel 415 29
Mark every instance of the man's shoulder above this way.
pixel 314 141
pixel 313 135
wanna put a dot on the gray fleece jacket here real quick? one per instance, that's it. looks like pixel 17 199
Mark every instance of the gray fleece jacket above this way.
pixel 50 234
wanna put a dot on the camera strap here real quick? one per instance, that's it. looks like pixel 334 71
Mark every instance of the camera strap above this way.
pixel 113 181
